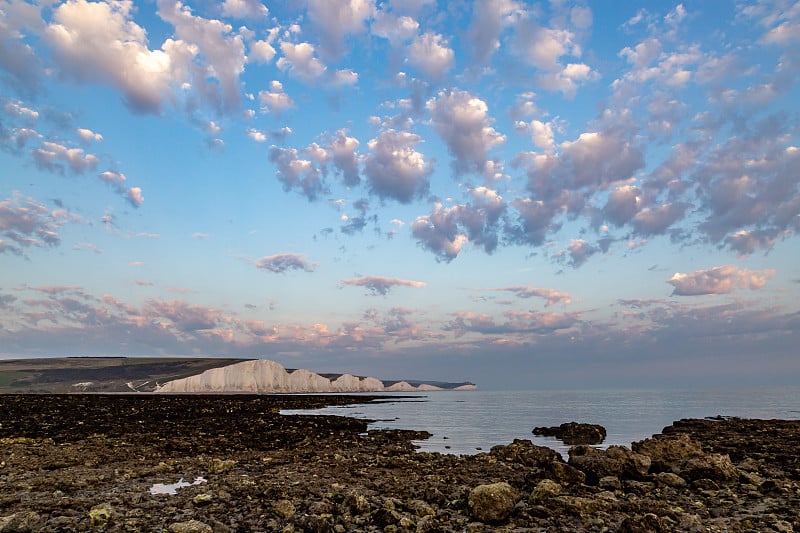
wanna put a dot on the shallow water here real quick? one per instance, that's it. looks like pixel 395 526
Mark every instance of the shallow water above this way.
pixel 467 422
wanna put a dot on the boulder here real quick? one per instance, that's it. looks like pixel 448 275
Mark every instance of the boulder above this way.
pixel 526 453
pixel 617 461
pixel 682 455
pixel 574 433
pixel 492 503
pixel 544 490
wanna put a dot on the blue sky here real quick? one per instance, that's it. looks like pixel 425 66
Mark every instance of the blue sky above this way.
pixel 518 194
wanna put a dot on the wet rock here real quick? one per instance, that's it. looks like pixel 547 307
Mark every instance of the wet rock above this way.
pixel 190 526
pixel 582 505
pixel 544 490
pixel 574 433
pixel 617 461
pixel 492 503
pixel 609 482
pixel 648 523
pixel 99 516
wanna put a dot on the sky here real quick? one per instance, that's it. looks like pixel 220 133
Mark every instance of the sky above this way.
pixel 519 194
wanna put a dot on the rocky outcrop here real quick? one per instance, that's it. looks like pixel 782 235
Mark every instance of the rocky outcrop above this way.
pixel 617 461
pixel 682 455
pixel 574 433
pixel 265 376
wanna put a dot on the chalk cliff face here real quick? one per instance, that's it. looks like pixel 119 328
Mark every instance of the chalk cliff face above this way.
pixel 262 375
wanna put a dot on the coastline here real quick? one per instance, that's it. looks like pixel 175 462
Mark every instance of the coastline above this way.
pixel 87 462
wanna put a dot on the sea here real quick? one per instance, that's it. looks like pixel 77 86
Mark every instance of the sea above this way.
pixel 470 422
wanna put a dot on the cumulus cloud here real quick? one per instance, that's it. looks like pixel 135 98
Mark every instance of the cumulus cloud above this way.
pixel 395 29
pixel 343 151
pixel 261 52
pixel 87 135
pixel 213 40
pixel 336 19
pixel 463 122
pixel 275 99
pixel 296 173
pixel 718 280
pixel 53 156
pixel 656 220
pixel 184 316
pixel 580 251
pixel 300 60
pixel 431 54
pixel 439 232
pixel 244 9
pixel 280 263
pixel 394 169
pixel 382 285
pixel 623 203
pixel 134 196
pixel 489 19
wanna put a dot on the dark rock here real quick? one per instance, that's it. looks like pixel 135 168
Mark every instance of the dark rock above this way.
pixel 565 474
pixel 574 433
pixel 617 461
pixel 526 453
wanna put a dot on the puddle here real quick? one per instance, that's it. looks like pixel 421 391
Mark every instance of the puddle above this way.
pixel 172 488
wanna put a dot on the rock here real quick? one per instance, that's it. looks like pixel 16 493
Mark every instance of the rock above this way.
pixel 565 474
pixel 99 516
pixel 356 503
pixel 617 461
pixel 544 490
pixel 421 508
pixel 22 522
pixel 582 505
pixel 190 526
pixel 203 499
pixel 574 433
pixel 526 453
pixel 670 480
pixel 648 523
pixel 492 503
pixel 283 509
pixel 609 482
pixel 682 455
pixel 219 466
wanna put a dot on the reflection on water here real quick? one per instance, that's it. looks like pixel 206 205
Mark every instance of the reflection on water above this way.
pixel 467 422
pixel 172 488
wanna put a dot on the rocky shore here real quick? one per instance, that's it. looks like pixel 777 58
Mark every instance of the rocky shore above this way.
pixel 108 462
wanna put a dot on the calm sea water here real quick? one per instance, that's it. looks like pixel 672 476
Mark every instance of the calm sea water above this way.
pixel 466 422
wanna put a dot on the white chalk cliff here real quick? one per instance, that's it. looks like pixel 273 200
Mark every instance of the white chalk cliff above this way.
pixel 262 375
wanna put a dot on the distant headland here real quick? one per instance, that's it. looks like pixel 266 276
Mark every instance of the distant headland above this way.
pixel 190 375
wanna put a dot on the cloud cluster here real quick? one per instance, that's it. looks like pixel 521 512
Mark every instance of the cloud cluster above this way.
pixel 24 222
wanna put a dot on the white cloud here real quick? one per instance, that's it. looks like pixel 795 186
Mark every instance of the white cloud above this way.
pixel 431 54
pixel 51 156
pixel 719 280
pixel 343 150
pixel 88 135
pixel 135 196
pixel 26 222
pixel 300 60
pixel 213 40
pixel 396 29
pixel 336 19
pixel 275 99
pixel 394 169
pixel 257 135
pixel 244 9
pixel 261 52
pixel 98 42
pixel 489 19
pixel 463 122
